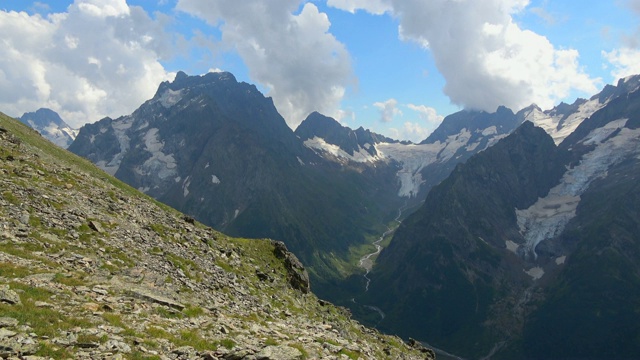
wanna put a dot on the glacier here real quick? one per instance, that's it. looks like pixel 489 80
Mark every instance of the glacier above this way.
pixel 548 217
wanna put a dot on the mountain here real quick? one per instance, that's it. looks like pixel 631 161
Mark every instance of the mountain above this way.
pixel 92 268
pixel 419 166
pixel 326 134
pixel 219 151
pixel 49 124
pixel 529 249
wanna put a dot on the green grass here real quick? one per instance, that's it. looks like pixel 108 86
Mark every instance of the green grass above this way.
pixel 90 338
pixel 8 195
pixel 160 229
pixel 10 270
pixel 27 251
pixel 50 351
pixel 168 313
pixel 350 354
pixel 184 338
pixel 114 320
pixel 192 311
pixel 71 279
pixel 227 343
pixel 300 347
pixel 188 267
pixel 44 321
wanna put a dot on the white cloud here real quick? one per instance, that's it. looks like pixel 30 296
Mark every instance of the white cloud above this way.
pixel 287 50
pixel 427 114
pixel 377 7
pixel 486 59
pixel 100 58
pixel 388 110
pixel 411 131
pixel 103 8
pixel 418 130
pixel 40 7
pixel 625 62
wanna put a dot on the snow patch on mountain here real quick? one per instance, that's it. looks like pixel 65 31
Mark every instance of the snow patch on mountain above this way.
pixel 536 273
pixel 512 246
pixel 548 217
pixel 185 186
pixel 558 128
pixel 491 130
pixel 170 97
pixel 413 159
pixel 61 136
pixel 360 156
pixel 453 143
pixel 159 164
pixel 120 128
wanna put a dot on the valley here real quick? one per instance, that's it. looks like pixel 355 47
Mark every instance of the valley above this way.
pixel 367 261
pixel 472 240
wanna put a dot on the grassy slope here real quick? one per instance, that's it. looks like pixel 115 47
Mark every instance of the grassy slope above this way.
pixel 184 249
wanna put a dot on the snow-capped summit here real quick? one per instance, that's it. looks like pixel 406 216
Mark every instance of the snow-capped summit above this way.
pixel 49 124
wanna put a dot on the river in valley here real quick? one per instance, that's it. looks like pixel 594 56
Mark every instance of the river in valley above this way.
pixel 366 262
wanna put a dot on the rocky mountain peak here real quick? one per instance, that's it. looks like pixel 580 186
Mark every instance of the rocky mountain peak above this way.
pixel 322 132
pixel 43 117
pixel 503 119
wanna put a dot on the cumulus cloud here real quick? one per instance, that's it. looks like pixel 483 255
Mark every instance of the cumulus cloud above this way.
pixel 411 131
pixel 486 59
pixel 427 114
pixel 100 58
pixel 388 110
pixel 625 62
pixel 288 50
pixel 416 131
pixel 377 7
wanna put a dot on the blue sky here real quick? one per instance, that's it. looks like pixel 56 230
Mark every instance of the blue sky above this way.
pixel 394 66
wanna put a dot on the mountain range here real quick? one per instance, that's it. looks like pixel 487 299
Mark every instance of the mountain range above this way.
pixel 515 222
pixel 530 248
pixel 219 151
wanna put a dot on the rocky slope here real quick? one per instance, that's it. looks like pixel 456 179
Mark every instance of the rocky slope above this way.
pixel 527 250
pixel 49 124
pixel 92 269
